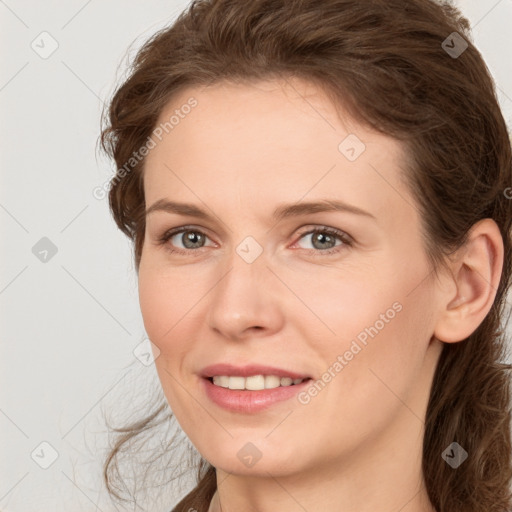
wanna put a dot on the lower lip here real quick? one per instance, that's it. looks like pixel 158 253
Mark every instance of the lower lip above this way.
pixel 247 401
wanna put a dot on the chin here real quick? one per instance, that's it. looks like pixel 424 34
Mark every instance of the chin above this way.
pixel 253 459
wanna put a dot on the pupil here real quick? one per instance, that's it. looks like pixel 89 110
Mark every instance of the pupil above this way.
pixel 322 237
pixel 193 237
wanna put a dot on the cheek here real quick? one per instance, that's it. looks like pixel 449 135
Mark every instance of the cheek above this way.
pixel 370 381
pixel 164 303
pixel 384 354
pixel 164 299
pixel 153 304
pixel 340 306
pixel 378 320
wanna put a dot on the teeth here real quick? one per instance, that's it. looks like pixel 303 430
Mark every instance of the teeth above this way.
pixel 254 382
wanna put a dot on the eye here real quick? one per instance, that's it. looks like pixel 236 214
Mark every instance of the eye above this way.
pixel 324 240
pixel 189 237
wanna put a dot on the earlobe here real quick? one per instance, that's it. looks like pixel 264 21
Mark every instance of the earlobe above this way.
pixel 476 273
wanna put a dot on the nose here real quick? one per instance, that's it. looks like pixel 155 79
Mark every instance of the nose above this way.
pixel 243 305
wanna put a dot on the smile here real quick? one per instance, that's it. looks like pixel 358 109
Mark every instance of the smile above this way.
pixel 244 400
pixel 254 382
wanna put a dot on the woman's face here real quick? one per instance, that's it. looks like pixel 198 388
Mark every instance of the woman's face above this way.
pixel 352 308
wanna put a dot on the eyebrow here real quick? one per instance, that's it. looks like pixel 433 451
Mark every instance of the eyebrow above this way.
pixel 281 212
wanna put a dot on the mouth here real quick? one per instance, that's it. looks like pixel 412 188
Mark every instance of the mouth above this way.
pixel 251 388
pixel 249 395
pixel 254 382
pixel 231 371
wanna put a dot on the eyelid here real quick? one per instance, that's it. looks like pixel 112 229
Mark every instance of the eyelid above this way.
pixel 346 239
pixel 324 229
pixel 164 238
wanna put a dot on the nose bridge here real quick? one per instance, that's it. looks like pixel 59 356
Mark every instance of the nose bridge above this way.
pixel 246 266
pixel 240 299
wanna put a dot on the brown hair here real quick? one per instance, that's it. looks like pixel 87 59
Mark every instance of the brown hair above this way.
pixel 386 63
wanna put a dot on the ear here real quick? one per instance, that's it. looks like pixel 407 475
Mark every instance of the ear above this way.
pixel 469 295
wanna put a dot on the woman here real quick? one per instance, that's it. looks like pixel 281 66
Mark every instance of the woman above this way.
pixel 317 196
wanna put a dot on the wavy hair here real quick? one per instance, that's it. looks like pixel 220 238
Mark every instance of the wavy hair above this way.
pixel 388 62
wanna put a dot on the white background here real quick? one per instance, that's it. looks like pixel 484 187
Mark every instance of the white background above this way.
pixel 70 325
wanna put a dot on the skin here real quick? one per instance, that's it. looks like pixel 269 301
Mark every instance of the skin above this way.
pixel 357 445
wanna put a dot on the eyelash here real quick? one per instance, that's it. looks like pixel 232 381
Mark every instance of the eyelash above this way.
pixel 340 235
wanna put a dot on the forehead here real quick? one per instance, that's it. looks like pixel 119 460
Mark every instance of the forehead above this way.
pixel 273 141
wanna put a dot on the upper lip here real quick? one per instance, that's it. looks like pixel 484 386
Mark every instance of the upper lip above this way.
pixel 248 370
